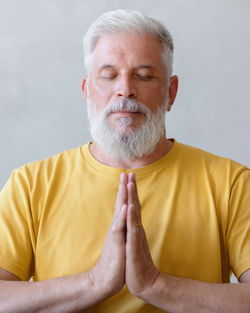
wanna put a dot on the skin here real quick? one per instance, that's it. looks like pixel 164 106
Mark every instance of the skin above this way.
pixel 126 258
pixel 136 71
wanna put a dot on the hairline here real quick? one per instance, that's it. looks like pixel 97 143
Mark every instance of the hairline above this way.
pixel 132 21
pixel 164 54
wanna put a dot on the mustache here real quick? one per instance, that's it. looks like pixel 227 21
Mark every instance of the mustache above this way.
pixel 129 105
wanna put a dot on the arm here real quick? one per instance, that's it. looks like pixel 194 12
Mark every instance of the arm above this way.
pixel 77 292
pixel 174 294
pixel 177 295
pixel 68 294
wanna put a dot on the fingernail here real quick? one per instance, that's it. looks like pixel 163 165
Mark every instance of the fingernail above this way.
pixel 122 177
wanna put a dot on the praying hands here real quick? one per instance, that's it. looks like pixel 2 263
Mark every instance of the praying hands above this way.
pixel 125 256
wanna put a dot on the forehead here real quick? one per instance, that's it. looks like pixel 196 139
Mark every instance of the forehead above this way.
pixel 128 48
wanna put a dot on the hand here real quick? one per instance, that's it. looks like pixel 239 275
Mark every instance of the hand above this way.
pixel 109 272
pixel 141 272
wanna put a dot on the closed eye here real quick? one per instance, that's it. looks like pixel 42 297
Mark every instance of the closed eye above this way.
pixel 144 77
pixel 109 77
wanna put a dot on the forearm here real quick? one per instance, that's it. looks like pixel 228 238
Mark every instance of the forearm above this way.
pixel 181 295
pixel 74 293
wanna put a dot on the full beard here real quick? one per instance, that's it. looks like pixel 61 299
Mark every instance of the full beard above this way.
pixel 127 142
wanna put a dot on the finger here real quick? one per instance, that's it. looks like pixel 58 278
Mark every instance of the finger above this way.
pixel 136 236
pixel 133 227
pixel 119 226
pixel 121 194
pixel 124 178
pixel 133 198
pixel 131 219
pixel 130 193
pixel 130 186
pixel 120 222
pixel 131 177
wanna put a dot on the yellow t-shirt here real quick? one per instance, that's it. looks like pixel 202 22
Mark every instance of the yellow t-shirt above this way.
pixel 55 213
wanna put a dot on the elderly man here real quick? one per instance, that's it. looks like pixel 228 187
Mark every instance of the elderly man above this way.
pixel 166 239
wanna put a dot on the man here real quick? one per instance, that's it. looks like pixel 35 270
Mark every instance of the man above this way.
pixel 180 223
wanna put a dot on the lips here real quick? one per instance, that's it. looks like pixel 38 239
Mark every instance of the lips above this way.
pixel 126 112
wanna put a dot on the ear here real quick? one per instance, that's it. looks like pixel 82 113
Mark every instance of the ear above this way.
pixel 172 91
pixel 84 87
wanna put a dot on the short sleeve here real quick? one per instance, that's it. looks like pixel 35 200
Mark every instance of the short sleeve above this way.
pixel 16 227
pixel 238 231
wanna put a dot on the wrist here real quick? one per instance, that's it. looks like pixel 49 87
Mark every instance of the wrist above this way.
pixel 152 291
pixel 101 289
pixel 144 290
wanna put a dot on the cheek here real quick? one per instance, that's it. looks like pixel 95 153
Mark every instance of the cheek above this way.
pixel 153 96
pixel 99 95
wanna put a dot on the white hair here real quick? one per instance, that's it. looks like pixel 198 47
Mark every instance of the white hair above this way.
pixel 130 21
pixel 123 142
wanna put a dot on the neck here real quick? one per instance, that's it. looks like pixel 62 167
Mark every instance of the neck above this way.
pixel 162 148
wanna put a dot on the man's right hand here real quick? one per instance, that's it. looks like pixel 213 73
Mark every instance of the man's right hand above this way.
pixel 80 291
pixel 108 275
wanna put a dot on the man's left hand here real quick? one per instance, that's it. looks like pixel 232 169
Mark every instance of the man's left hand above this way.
pixel 141 272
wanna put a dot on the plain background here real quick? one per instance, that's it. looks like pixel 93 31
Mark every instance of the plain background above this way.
pixel 42 111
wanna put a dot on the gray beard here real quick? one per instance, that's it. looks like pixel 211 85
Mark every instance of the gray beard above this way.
pixel 125 142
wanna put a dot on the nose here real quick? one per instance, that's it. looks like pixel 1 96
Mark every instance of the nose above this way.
pixel 125 94
pixel 126 88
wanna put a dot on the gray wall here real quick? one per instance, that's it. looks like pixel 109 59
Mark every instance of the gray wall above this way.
pixel 42 111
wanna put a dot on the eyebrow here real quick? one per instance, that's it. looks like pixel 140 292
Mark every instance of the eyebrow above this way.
pixel 105 66
pixel 145 66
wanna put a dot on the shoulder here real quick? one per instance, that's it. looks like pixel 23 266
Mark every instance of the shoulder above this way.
pixel 58 165
pixel 62 158
pixel 209 164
